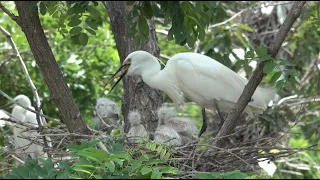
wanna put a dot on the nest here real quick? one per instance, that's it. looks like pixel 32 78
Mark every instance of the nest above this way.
pixel 248 143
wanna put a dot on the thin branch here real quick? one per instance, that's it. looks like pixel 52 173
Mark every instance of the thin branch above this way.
pixel 248 8
pixel 258 74
pixel 11 15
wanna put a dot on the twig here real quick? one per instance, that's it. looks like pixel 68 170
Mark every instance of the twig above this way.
pixel 18 159
pixel 258 74
pixel 5 10
pixel 243 10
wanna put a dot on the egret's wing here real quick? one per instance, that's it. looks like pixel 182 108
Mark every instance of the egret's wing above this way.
pixel 201 75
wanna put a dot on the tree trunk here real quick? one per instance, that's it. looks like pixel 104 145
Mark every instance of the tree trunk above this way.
pixel 30 24
pixel 137 95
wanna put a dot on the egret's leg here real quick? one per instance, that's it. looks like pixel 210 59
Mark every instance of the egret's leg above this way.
pixel 204 122
pixel 219 113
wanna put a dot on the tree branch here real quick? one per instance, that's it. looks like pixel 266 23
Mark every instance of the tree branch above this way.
pixel 258 74
pixel 31 26
pixel 5 10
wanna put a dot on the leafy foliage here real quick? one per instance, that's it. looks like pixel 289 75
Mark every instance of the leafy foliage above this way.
pixel 78 18
pixel 99 164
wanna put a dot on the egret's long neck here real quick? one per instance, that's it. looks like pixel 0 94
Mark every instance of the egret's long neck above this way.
pixel 151 75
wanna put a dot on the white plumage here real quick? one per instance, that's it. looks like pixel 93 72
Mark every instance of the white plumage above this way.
pixel 194 76
pixel 137 130
pixel 3 115
pixel 25 147
pixel 109 111
pixel 166 135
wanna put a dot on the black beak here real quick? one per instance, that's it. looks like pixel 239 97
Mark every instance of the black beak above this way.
pixel 117 74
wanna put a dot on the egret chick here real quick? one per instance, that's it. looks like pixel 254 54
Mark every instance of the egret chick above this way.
pixel 203 80
pixel 3 114
pixel 137 130
pixel 166 135
pixel 23 146
pixel 183 126
pixel 108 111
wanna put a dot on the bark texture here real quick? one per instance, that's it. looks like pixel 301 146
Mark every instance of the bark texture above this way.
pixel 29 22
pixel 258 74
pixel 137 95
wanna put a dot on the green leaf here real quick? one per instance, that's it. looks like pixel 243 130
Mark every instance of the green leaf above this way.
pixel 43 8
pixel 159 149
pixel 93 143
pixel 156 175
pixel 91 31
pixel 163 153
pixel 239 36
pixel 275 77
pixel 74 22
pixel 169 170
pixel 143 27
pixel 63 175
pixel 145 170
pixel 261 51
pixel 285 62
pixel 291 72
pixel 93 11
pixel 92 25
pixel 208 175
pixel 83 39
pixel 245 27
pixel 75 30
pixel 111 166
pixel 235 175
pixel 119 161
pixel 249 54
pixel 265 57
pixel 147 10
pixel 280 83
pixel 97 177
pixel 269 67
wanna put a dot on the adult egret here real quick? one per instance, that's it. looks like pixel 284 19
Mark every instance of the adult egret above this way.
pixel 137 130
pixel 200 78
pixel 108 111
pixel 183 126
pixel 23 146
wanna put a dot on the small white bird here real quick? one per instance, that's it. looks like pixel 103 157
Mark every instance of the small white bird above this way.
pixel 185 127
pixel 200 78
pixel 3 114
pixel 167 135
pixel 23 146
pixel 108 111
pixel 137 130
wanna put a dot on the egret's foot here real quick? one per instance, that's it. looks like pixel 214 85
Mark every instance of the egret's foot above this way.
pixel 204 122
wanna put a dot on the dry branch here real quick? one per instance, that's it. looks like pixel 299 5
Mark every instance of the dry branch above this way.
pixel 258 74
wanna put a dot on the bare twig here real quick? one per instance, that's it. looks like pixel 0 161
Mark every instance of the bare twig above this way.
pixel 258 74
pixel 5 10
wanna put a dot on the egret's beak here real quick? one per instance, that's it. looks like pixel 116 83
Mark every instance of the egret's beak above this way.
pixel 122 71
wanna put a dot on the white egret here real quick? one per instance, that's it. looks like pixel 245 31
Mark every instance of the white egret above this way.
pixel 108 111
pixel 23 146
pixel 185 127
pixel 137 130
pixel 3 114
pixel 200 78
